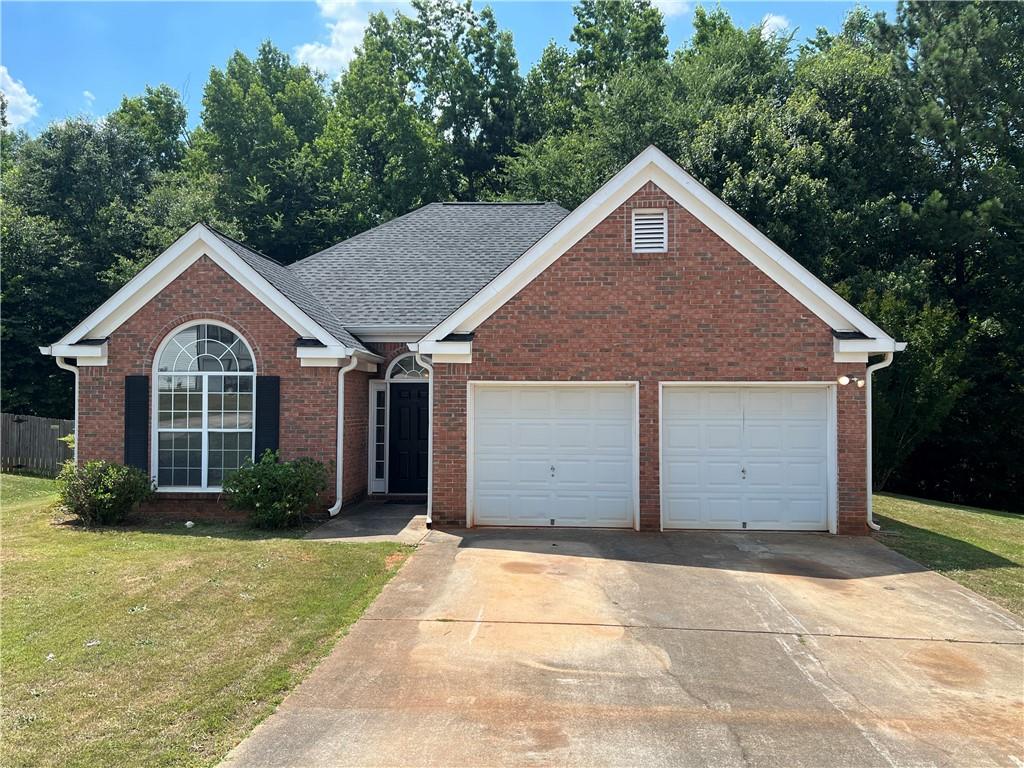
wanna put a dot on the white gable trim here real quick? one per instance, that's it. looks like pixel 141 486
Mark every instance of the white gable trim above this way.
pixel 653 165
pixel 184 252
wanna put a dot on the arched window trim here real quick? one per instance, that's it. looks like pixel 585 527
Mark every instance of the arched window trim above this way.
pixel 206 429
pixel 398 370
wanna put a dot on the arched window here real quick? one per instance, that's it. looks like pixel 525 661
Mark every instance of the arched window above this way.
pixel 405 368
pixel 205 378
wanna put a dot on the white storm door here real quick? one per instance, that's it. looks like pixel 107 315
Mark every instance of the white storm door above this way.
pixel 555 454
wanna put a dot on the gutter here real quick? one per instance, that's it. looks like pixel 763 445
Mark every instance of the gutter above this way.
pixel 430 440
pixel 63 363
pixel 339 461
pixel 885 363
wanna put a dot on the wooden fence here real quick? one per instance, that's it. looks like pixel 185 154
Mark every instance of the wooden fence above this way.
pixel 29 444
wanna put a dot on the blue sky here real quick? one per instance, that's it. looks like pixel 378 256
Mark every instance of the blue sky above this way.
pixel 59 59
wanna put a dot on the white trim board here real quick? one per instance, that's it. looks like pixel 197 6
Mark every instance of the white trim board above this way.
pixel 652 165
pixel 199 241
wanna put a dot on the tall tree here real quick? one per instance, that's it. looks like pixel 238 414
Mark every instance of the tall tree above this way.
pixel 159 117
pixel 258 117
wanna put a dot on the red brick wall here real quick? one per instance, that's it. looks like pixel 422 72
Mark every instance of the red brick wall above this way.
pixel 204 291
pixel 700 312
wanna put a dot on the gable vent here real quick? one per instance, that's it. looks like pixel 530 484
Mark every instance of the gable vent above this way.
pixel 650 231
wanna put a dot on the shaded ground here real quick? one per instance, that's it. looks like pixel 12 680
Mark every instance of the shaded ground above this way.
pixel 160 645
pixel 980 548
pixel 577 647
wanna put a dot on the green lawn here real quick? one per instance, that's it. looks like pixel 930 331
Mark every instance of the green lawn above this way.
pixel 160 646
pixel 979 548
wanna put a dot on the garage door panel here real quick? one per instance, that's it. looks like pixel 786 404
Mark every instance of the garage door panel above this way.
pixel 683 511
pixel 807 510
pixel 778 435
pixel 586 433
pixel 615 438
pixel 570 436
pixel 764 437
pixel 612 512
pixel 721 473
pixel 723 509
pixel 682 437
pixel 682 475
pixel 719 437
pixel 722 403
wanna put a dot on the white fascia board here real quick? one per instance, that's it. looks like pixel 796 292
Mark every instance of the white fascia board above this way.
pixel 654 165
pixel 869 346
pixel 389 333
pixel 444 348
pixel 170 264
pixel 76 350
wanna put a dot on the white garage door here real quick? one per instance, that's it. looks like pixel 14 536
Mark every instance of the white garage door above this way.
pixel 745 457
pixel 553 455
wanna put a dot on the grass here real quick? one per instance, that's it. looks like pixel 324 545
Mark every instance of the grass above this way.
pixel 979 548
pixel 160 646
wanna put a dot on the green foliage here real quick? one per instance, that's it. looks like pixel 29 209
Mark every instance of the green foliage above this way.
pixel 276 494
pixel 885 156
pixel 100 493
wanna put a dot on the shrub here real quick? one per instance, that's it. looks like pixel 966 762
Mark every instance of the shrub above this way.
pixel 276 494
pixel 100 493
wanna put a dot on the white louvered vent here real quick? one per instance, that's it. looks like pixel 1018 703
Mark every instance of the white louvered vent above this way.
pixel 650 231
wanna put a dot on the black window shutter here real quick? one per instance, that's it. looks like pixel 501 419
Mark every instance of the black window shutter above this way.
pixel 268 414
pixel 136 422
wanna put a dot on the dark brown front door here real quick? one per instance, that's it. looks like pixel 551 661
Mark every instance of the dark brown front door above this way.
pixel 407 454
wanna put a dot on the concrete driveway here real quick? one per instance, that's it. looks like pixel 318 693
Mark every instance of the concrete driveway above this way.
pixel 588 648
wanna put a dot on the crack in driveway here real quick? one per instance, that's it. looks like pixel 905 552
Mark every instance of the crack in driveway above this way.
pixel 672 628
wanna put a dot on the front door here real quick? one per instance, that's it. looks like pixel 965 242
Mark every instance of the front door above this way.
pixel 407 438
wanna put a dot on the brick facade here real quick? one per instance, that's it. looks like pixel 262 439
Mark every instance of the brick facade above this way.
pixel 308 425
pixel 700 312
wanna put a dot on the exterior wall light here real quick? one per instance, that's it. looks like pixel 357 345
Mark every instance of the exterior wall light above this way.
pixel 844 380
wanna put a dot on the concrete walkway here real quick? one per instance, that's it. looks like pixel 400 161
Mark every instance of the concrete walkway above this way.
pixel 375 520
pixel 602 648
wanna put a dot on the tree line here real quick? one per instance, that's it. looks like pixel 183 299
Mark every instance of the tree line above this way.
pixel 885 156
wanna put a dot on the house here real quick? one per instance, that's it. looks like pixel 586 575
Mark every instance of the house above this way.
pixel 649 360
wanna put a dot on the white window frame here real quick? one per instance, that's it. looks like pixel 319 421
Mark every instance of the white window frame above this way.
pixel 663 248
pixel 155 410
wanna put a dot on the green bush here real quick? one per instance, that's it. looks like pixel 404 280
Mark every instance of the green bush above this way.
pixel 276 494
pixel 100 493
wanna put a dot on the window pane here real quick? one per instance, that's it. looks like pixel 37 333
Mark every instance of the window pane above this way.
pixel 205 348
pixel 179 458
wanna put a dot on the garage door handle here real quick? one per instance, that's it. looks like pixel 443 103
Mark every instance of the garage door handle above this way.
pixel 552 470
pixel 743 472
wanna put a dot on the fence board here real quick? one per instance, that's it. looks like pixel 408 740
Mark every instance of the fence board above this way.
pixel 30 444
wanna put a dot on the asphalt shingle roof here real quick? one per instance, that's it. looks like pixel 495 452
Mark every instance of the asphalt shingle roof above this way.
pixel 419 268
pixel 290 284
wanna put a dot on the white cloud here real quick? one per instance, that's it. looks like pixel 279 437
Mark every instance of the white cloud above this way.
pixel 772 24
pixel 670 8
pixel 89 97
pixel 346 22
pixel 22 106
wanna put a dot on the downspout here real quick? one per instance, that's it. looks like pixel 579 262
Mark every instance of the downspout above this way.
pixel 339 469
pixel 430 440
pixel 885 362
pixel 62 363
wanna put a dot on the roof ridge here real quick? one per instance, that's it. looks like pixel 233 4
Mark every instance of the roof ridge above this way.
pixel 499 202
